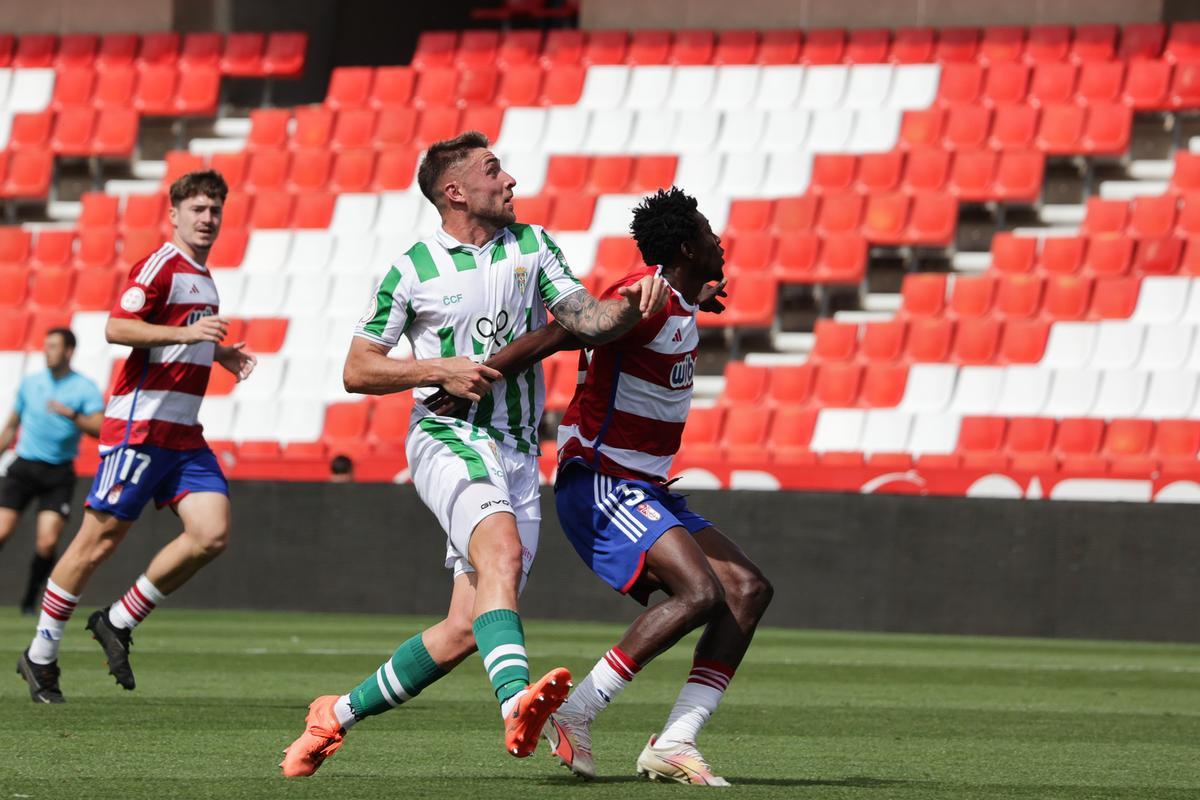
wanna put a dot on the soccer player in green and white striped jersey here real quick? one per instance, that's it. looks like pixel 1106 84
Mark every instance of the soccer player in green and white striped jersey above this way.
pixel 459 296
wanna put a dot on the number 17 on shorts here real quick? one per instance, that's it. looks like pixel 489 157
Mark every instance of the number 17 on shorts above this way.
pixel 130 476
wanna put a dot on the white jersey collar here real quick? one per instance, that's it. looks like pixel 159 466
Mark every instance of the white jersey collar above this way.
pixel 449 242
pixel 186 257
pixel 686 305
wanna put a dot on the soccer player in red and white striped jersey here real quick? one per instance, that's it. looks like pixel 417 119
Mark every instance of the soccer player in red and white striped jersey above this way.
pixel 616 444
pixel 151 442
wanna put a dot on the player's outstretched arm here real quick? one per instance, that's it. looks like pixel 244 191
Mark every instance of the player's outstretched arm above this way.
pixel 137 333
pixel 597 322
pixel 514 358
pixel 368 370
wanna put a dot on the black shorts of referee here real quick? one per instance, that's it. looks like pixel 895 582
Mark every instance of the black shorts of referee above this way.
pixel 51 485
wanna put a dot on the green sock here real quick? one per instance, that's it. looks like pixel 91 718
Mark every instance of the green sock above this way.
pixel 400 679
pixel 501 641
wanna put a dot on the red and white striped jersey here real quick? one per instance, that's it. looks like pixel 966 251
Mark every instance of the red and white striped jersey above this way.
pixel 627 415
pixel 157 396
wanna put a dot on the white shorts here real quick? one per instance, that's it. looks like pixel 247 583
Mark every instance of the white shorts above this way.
pixel 464 476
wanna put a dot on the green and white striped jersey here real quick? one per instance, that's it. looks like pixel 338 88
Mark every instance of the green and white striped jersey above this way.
pixel 455 299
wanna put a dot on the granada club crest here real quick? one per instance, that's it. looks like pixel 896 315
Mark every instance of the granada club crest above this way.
pixel 649 512
pixel 114 494
pixel 522 274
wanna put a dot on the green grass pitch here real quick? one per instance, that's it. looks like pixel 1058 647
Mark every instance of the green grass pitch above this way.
pixel 809 715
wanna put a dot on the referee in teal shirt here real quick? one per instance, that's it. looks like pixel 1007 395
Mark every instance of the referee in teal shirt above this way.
pixel 54 408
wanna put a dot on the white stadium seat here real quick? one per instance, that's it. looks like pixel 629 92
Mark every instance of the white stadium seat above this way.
pixel 1161 299
pixel 1070 344
pixel 613 214
pixel 6 77
pixel 5 127
pixel 653 132
pixel 266 380
pixel 604 86
pixel 579 248
pixel 398 211
pixel 885 430
pixel 311 251
pixel 699 172
pixel 566 128
pixel 741 131
pixel 88 327
pixel 521 129
pixel 31 90
pixel 780 87
pixel 230 283
pixel 305 334
pixel 830 131
pixel 929 387
pixel 305 372
pixel 528 169
pixel 353 255
pixel 216 415
pixel 715 206
pixel 934 434
pixel 1191 312
pixel 1025 390
pixel 609 132
pixel 837 429
pixel 736 87
pixel 1167 347
pixel 350 294
pixel 1118 344
pixel 692 87
pixel 263 293
pixel 1072 392
pixel 869 86
pixel 696 131
pixel 787 174
pixel 1121 394
pixel 824 87
pixel 786 131
pixel 354 213
pixel 743 174
pixel 914 86
pixel 12 367
pixel 1170 394
pixel 267 250
pixel 977 390
pixel 875 131
pixel 301 420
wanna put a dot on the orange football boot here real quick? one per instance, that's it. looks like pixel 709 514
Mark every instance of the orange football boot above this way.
pixel 523 725
pixel 321 738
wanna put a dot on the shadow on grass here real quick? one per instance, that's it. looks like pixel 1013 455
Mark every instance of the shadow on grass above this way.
pixel 856 782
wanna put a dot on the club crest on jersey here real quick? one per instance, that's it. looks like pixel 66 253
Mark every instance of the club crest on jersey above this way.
pixel 649 512
pixel 369 314
pixel 522 274
pixel 114 494
pixel 134 299
pixel 682 372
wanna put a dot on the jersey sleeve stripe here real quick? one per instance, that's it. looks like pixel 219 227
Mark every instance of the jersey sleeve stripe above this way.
pixel 423 261
pixel 527 239
pixel 384 299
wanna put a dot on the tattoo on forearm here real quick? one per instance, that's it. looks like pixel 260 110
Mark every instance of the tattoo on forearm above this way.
pixel 595 321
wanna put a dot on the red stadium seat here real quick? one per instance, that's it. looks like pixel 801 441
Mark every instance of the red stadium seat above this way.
pixel 1152 217
pixel 99 210
pixel 880 172
pixel 1002 43
pixel 835 341
pixel 702 433
pixel 961 84
pixel 284 54
pixel 842 259
pixel 35 50
pixel 314 126
pixel 885 218
pixel 117 49
pixel 1147 85
pixel 913 46
pixel 610 174
pixel 1062 254
pixel 563 47
pixel 14 287
pixel 1019 177
pixel 1013 254
pixel 138 243
pixel 883 384
pixel 42 321
pixel 883 341
pixel 436 86
pixel 389 422
pixel 832 173
pixel 485 119
pixel 477 86
pixel 53 248
pixel 957 44
pixel 1185 86
pixel 1066 297
pixel 268 170
pixel 477 48
pixel 791 433
pixel 265 335
pixel 73 131
pixel 1029 443
pixel 1048 43
pixel 1078 444
pixel 780 47
pixel 1018 295
pixel 1105 217
pixel 933 219
pixel 1183 45
pixel 1127 446
pixel 790 385
pixel 1024 341
pixel 354 129
pixel 1185 177
pixel 1142 41
pixel 14 328
pixel 1109 127
pixel 750 252
pixel 1161 256
pixel 1187 222
pixel 922 128
pixel 977 340
pixel 824 46
pixel 927 169
pixel 155 91
pixel 159 49
pixel 114 86
pixel 1014 127
pixel 313 209
pixel 73 87
pixel 30 131
pixel 972 176
pixel 693 47
pixel 116 133
pixel 309 170
pixel 521 85
pixel 76 50
pixel 736 47
pixel 1006 83
pixel 95 289
pixel 395 169
pixel 435 49
pixel 536 210
pixel 745 384
pixel 269 128
pixel 648 47
pixel 519 48
pixel 8 43
pixel 272 209
pixel 574 212
pixel 751 302
pixel 1176 444
pixel 652 173
pixel 563 85
pixel 436 124
pixel 1094 43
pixel 796 257
pixel 1052 84
pixel 29 173
pixel 929 339
pixel 1114 298
pixel 868 46
pixel 97 248
pixel 1061 129
pixel 794 214
pixel 840 213
pixel 744 437
pixel 200 50
pixel 748 216
pixel 967 127
pixel 229 248
pixel 837 385
pixel 349 87
pixel 1100 82
pixel 396 127
pixel 353 171
pixel 392 87
pixel 197 92
pixel 233 167
pixel 971 296
pixel 179 163
pixel 981 443
pixel 923 295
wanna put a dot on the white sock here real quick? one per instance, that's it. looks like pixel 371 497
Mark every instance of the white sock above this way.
pixel 698 699
pixel 508 704
pixel 135 605
pixel 607 679
pixel 57 606
pixel 344 712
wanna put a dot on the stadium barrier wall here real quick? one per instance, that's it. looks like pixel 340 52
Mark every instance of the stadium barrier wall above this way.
pixel 838 561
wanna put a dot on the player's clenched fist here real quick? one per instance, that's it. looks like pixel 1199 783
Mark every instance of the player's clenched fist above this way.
pixel 649 294
pixel 206 329
pixel 462 377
